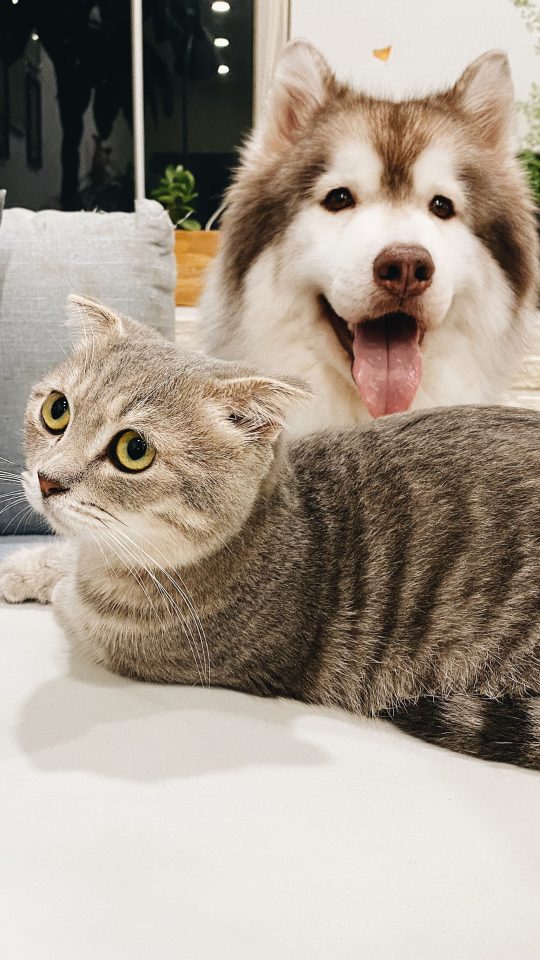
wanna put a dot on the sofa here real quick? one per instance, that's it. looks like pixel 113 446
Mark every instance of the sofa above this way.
pixel 146 822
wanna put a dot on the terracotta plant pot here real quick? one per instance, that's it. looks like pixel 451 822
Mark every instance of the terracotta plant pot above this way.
pixel 194 252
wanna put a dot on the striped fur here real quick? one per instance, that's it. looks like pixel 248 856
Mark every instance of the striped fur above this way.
pixel 506 729
pixel 392 570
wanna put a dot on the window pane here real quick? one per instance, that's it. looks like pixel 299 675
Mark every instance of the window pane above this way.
pixel 65 104
pixel 199 91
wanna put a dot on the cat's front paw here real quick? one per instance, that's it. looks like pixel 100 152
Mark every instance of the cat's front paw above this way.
pixel 28 575
pixel 14 588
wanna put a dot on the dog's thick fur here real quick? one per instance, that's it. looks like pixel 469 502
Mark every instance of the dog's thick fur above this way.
pixel 294 280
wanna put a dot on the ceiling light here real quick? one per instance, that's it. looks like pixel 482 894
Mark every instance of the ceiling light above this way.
pixel 223 69
pixel 221 7
pixel 221 42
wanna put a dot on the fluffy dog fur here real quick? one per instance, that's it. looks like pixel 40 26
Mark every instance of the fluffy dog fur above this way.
pixel 294 281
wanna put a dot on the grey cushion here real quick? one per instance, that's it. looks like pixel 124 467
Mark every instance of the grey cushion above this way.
pixel 125 260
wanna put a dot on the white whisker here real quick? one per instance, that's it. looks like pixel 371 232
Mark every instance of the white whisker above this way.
pixel 122 546
pixel 182 592
pixel 121 555
pixel 24 509
pixel 57 342
pixel 26 521
pixel 10 495
pixel 17 499
pixel 25 516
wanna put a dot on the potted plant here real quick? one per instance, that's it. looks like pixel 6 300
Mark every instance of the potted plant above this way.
pixel 531 161
pixel 194 247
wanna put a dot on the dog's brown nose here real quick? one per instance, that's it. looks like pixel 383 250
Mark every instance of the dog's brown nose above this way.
pixel 404 270
pixel 49 487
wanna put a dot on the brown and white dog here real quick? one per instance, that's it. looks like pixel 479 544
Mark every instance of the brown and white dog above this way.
pixel 385 252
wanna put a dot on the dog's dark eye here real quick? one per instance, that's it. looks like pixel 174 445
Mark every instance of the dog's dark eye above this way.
pixel 442 207
pixel 338 199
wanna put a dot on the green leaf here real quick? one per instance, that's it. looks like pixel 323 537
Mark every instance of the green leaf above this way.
pixel 176 192
pixel 189 225
pixel 531 163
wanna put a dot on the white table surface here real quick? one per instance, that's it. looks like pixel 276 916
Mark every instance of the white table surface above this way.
pixel 141 822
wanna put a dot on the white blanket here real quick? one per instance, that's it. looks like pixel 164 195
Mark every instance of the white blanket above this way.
pixel 144 822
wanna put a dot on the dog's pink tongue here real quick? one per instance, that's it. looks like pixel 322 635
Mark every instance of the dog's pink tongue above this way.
pixel 387 364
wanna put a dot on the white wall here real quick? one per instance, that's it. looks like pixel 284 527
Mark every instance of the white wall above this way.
pixel 432 40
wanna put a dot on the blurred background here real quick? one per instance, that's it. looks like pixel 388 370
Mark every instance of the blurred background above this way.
pixel 66 98
pixel 66 83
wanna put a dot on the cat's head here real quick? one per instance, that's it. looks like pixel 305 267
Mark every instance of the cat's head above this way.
pixel 129 438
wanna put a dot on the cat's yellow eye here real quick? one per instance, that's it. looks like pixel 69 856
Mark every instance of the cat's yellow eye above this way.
pixel 130 451
pixel 55 412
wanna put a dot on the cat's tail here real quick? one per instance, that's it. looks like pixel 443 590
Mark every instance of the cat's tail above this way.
pixel 507 730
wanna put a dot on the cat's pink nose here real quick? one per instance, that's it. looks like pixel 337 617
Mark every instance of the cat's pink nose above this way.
pixel 48 486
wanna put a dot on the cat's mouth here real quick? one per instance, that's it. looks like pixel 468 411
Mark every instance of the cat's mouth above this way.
pixel 65 513
pixel 386 362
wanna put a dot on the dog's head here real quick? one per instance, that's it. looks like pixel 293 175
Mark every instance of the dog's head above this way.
pixel 388 214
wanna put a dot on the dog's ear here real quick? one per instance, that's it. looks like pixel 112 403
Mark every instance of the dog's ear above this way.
pixel 485 94
pixel 301 84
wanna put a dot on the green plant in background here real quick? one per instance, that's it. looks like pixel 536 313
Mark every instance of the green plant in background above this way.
pixel 531 15
pixel 176 192
pixel 531 162
pixel 530 108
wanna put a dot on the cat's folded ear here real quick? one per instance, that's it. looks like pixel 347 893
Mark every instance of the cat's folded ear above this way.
pixel 92 317
pixel 258 406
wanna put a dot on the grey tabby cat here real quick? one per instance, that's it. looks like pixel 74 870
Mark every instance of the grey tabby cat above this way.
pixel 392 570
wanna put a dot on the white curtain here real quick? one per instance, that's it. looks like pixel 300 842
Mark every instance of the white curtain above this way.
pixel 271 35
